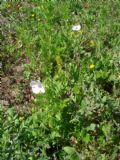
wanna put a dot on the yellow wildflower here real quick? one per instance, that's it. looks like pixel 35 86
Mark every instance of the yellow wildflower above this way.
pixel 9 5
pixel 59 61
pixel 21 118
pixel 33 15
pixel 92 43
pixel 36 154
pixel 91 66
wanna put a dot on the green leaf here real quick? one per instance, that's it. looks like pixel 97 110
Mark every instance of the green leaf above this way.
pixel 92 127
pixel 69 150
pixel 106 128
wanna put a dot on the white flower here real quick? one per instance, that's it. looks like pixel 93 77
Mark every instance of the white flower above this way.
pixel 37 87
pixel 76 27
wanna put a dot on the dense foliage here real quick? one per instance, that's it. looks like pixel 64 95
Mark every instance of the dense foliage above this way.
pixel 78 117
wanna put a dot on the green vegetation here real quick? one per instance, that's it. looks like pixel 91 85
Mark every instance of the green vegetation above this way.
pixel 78 116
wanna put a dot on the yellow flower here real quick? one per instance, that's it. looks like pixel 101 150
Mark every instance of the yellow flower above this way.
pixel 33 15
pixel 91 66
pixel 21 118
pixel 59 61
pixel 92 43
pixel 9 5
pixel 36 154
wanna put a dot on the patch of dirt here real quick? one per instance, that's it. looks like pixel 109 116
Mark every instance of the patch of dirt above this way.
pixel 14 89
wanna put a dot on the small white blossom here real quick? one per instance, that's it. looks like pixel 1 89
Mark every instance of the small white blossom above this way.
pixel 37 87
pixel 76 27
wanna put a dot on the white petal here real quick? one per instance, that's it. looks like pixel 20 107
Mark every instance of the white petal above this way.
pixel 76 27
pixel 37 87
pixel 42 90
